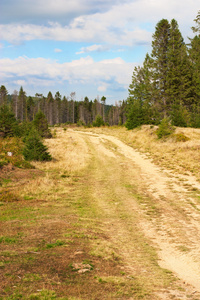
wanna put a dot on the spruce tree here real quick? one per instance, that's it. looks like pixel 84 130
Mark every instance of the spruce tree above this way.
pixel 194 50
pixel 197 20
pixel 58 107
pixel 8 123
pixel 30 108
pixel 50 109
pixel 3 95
pixel 98 121
pixel 160 45
pixel 139 102
pixel 179 76
pixel 34 149
pixel 22 105
pixel 41 124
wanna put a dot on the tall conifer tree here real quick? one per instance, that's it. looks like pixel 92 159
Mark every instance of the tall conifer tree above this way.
pixel 140 96
pixel 179 77
pixel 160 45
pixel 194 54
pixel 22 105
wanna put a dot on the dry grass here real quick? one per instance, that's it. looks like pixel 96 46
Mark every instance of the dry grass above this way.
pixel 66 149
pixel 75 211
pixel 54 225
pixel 182 157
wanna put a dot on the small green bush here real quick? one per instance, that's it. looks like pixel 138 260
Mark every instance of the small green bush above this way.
pixel 80 123
pixel 8 122
pixel 41 124
pixel 34 148
pixel 165 129
pixel 98 121
pixel 7 196
pixel 15 146
pixel 180 137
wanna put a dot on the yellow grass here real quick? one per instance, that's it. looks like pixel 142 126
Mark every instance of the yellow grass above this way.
pixel 87 205
pixel 182 157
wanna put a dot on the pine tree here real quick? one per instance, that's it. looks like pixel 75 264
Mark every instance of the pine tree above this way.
pixel 179 76
pixel 34 149
pixel 30 108
pixel 197 20
pixel 64 110
pixel 160 45
pixel 41 124
pixel 8 123
pixel 58 107
pixel 22 105
pixel 140 97
pixel 194 50
pixel 98 121
pixel 50 110
pixel 3 95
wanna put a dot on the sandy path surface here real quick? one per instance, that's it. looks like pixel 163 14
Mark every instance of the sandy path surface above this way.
pixel 175 232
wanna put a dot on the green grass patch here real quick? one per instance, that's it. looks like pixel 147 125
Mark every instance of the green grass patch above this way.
pixel 7 240
pixel 58 243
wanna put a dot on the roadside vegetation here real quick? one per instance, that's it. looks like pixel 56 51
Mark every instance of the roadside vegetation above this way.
pixel 67 231
pixel 177 149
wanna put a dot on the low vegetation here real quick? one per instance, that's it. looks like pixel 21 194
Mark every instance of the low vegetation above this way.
pixel 178 151
pixel 20 143
pixel 65 233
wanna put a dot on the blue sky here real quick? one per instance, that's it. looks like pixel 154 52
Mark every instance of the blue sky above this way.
pixel 85 46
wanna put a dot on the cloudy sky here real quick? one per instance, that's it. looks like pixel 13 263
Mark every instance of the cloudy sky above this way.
pixel 85 46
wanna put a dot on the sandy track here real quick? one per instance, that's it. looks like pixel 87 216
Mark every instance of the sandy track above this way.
pixel 176 231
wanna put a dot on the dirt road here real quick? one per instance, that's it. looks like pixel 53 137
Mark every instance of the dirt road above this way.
pixel 165 206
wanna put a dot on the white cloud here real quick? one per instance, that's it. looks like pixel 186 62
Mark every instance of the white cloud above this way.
pixel 102 88
pixel 62 10
pixel 118 22
pixel 92 48
pixel 101 74
pixel 57 50
pixel 126 23
pixel 89 31
pixel 20 82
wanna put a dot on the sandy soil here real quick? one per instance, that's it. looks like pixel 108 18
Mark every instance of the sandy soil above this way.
pixel 176 231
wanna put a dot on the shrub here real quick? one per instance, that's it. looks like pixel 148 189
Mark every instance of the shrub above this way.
pixel 15 146
pixel 98 121
pixel 80 123
pixel 7 196
pixel 34 148
pixel 180 137
pixel 164 129
pixel 41 124
pixel 8 122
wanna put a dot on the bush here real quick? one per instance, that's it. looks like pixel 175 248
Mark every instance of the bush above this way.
pixel 81 123
pixel 180 137
pixel 8 122
pixel 41 124
pixel 7 196
pixel 135 117
pixel 179 116
pixel 98 121
pixel 15 146
pixel 34 148
pixel 164 129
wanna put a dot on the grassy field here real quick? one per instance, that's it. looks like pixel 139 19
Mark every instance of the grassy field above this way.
pixel 66 227
pixel 181 156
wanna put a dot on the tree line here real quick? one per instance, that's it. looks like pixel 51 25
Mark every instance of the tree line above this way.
pixel 58 109
pixel 167 85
